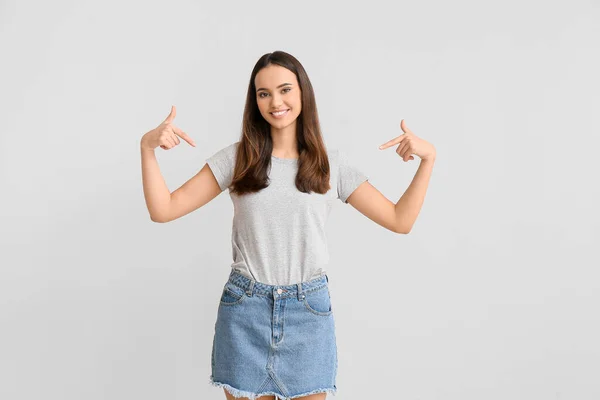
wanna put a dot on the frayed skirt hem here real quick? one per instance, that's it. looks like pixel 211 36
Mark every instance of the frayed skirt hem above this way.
pixel 253 396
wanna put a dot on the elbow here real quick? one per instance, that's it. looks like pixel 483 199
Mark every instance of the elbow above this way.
pixel 404 230
pixel 158 219
pixel 401 224
pixel 159 215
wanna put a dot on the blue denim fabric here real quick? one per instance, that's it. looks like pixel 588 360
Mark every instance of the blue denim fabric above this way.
pixel 274 340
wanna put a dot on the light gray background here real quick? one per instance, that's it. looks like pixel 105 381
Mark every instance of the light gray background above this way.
pixel 493 295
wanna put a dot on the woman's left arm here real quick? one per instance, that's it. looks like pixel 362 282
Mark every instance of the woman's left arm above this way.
pixel 401 216
pixel 408 207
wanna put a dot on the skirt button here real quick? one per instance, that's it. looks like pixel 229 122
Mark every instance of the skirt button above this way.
pixel 279 291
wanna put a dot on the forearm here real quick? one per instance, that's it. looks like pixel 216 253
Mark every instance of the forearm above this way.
pixel 409 205
pixel 156 192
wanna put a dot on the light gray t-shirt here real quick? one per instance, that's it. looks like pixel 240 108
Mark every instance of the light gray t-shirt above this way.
pixel 278 234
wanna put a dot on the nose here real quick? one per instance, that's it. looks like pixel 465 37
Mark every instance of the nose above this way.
pixel 276 102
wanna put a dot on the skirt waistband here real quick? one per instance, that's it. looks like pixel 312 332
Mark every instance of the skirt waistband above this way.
pixel 251 286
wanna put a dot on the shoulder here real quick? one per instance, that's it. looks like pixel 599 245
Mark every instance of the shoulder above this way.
pixel 337 156
pixel 231 148
pixel 222 164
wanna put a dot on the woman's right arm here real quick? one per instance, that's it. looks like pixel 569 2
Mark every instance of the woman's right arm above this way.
pixel 193 194
pixel 162 205
pixel 156 192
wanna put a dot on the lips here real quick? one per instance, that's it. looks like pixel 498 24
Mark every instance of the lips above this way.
pixel 280 114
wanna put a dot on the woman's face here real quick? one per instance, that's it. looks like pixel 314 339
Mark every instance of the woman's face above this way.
pixel 277 89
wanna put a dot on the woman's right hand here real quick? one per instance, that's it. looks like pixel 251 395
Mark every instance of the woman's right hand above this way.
pixel 165 135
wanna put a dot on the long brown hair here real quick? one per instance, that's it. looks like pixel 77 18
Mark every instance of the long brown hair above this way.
pixel 256 144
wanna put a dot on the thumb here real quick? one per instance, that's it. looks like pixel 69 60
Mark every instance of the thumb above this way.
pixel 171 116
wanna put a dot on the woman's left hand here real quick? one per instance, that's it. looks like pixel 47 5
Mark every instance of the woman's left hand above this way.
pixel 409 144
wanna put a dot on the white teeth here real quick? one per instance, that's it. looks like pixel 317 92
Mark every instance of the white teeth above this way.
pixel 280 113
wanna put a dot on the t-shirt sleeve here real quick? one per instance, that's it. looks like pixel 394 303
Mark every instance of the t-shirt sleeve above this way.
pixel 349 177
pixel 222 164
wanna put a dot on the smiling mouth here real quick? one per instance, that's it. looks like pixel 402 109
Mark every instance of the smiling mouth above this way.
pixel 279 114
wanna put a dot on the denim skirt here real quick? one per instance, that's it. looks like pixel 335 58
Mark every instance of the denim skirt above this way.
pixel 274 339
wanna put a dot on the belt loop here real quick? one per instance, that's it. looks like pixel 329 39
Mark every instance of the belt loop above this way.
pixel 300 293
pixel 250 287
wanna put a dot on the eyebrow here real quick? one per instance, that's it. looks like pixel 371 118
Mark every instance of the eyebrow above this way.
pixel 283 84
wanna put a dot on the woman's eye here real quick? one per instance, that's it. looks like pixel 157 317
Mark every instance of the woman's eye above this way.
pixel 261 93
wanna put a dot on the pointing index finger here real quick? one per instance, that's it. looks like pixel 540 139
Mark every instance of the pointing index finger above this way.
pixel 184 136
pixel 392 142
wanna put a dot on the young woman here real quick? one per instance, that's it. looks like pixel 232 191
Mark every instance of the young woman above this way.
pixel 275 332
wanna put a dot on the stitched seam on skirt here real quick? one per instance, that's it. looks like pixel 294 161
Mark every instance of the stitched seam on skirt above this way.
pixel 278 383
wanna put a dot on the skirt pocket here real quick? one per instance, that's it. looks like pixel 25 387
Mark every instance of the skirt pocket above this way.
pixel 232 295
pixel 318 301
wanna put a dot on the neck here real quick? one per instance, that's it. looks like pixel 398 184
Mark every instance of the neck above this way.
pixel 285 143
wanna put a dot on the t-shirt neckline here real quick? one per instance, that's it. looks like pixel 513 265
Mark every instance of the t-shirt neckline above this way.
pixel 284 160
